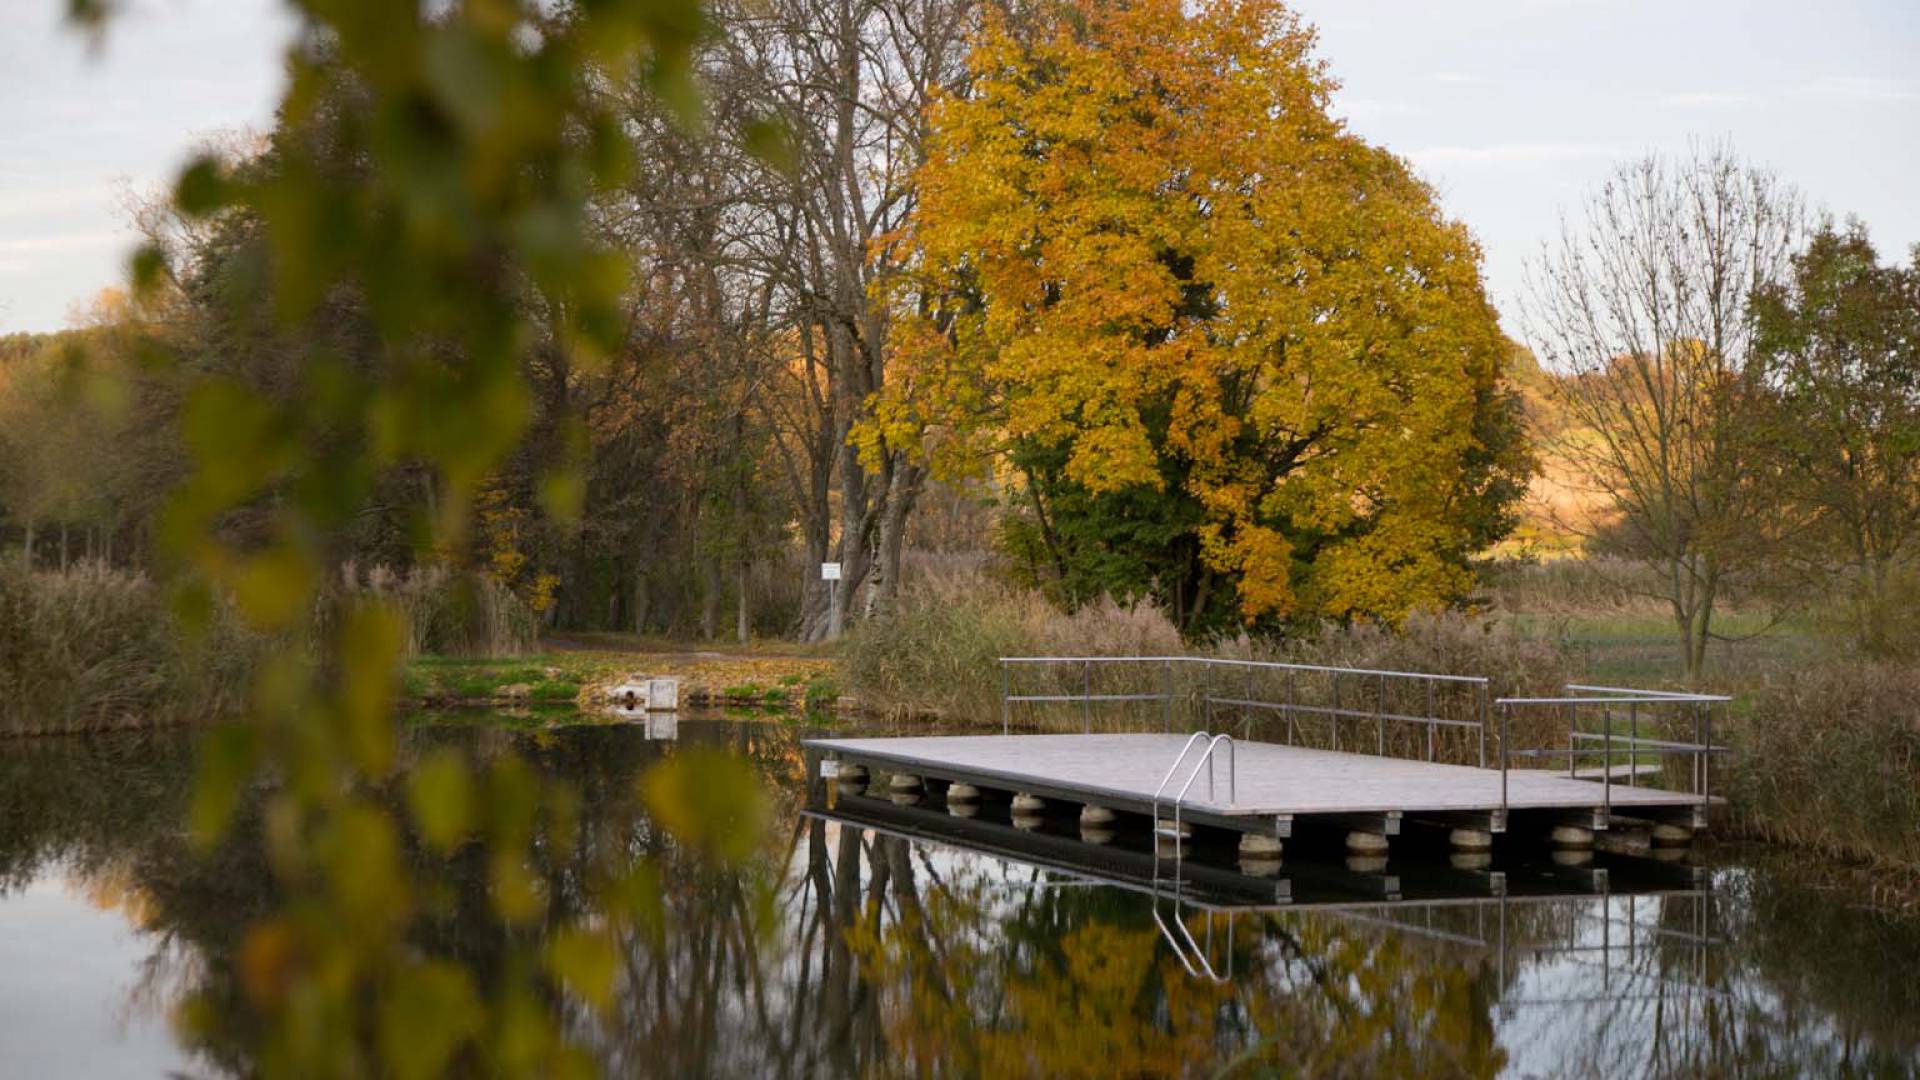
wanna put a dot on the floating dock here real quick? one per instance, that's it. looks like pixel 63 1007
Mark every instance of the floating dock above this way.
pixel 1275 787
pixel 1364 785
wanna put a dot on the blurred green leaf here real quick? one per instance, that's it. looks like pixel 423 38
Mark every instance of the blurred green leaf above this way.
pixel 584 961
pixel 709 800
pixel 440 794
pixel 426 1014
pixel 227 757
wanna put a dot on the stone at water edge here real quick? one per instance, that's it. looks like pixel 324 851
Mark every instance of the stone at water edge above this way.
pixel 1669 835
pixel 1259 845
pixel 1470 840
pixel 1571 836
pixel 1024 803
pixel 1360 842
pixel 1091 814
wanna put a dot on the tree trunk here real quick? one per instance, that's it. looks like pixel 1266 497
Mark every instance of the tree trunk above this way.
pixel 884 583
pixel 710 602
pixel 26 549
pixel 742 622
pixel 63 547
pixel 642 598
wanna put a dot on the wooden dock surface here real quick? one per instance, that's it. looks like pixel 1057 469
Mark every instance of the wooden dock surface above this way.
pixel 1272 780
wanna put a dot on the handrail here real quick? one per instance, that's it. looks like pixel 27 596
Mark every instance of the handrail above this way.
pixel 1206 759
pixel 1702 750
pixel 1674 695
pixel 1168 779
pixel 1274 665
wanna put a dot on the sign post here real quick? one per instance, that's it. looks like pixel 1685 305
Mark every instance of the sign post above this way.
pixel 830 572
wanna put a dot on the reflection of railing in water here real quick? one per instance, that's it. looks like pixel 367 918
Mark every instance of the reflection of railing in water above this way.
pixel 1506 953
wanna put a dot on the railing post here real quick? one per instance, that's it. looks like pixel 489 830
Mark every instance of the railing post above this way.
pixel 1086 694
pixel 1483 723
pixel 1289 708
pixel 1336 710
pixel 1380 713
pixel 1506 711
pixel 1573 724
pixel 1633 745
pixel 1430 718
pixel 1606 761
pixel 1006 697
pixel 1166 698
pixel 1706 752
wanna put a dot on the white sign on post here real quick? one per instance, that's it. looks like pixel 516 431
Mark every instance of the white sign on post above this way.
pixel 829 571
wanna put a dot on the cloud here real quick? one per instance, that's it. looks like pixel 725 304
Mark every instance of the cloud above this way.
pixel 1706 99
pixel 53 245
pixel 43 200
pixel 1860 88
pixel 1514 153
pixel 1458 78
pixel 1357 108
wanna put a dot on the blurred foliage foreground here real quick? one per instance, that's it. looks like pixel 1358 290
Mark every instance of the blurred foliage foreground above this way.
pixel 433 162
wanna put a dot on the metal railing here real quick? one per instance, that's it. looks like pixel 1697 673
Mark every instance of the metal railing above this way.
pixel 1697 710
pixel 1380 699
pixel 1366 696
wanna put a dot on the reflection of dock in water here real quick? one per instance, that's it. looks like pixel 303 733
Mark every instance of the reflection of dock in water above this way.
pixel 1215 877
pixel 1599 902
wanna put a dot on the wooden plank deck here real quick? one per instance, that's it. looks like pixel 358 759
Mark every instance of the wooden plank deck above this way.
pixel 1273 781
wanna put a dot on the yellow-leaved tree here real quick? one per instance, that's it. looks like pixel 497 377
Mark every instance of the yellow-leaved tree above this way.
pixel 1153 282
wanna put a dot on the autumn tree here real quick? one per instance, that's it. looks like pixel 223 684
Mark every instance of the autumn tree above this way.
pixel 1154 282
pixel 1839 344
pixel 1643 309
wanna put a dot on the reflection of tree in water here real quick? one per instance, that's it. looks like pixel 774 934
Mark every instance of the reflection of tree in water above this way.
pixel 1076 981
pixel 832 950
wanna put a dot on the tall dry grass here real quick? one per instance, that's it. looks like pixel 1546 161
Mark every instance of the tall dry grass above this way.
pixel 93 647
pixel 446 613
pixel 1828 757
pixel 938 651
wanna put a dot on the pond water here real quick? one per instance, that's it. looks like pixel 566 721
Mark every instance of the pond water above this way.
pixel 868 938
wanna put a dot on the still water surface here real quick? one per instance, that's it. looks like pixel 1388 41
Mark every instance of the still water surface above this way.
pixel 870 939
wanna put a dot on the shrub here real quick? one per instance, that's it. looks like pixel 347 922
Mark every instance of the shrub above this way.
pixel 939 649
pixel 93 647
pixel 937 652
pixel 447 613
pixel 1829 758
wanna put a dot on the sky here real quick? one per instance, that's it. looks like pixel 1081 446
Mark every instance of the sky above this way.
pixel 1511 108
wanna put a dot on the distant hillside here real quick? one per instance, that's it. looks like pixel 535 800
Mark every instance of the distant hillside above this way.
pixel 1556 497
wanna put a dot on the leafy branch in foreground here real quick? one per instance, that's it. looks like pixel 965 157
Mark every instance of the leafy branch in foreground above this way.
pixel 429 175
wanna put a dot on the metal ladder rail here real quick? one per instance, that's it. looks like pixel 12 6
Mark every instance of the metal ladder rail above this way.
pixel 1205 761
pixel 1199 965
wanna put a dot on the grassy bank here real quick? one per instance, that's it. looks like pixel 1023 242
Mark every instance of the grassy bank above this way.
pixel 764 678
